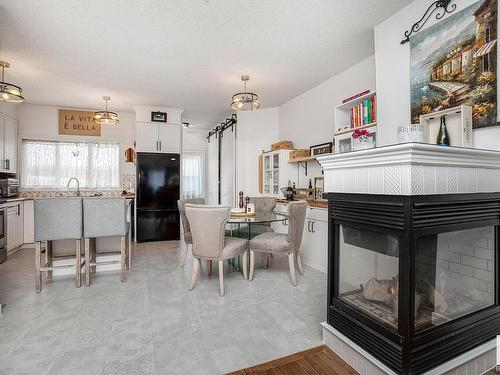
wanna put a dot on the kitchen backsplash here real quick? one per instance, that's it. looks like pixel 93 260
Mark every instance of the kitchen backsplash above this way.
pixel 128 184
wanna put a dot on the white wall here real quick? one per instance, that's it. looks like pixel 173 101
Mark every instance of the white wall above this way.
pixel 194 139
pixel 308 119
pixel 41 122
pixel 256 131
pixel 393 75
pixel 10 109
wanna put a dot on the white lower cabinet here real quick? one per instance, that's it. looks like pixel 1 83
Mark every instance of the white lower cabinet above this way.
pixel 15 225
pixel 314 248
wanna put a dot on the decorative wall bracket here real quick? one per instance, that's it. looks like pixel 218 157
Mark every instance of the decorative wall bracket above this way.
pixel 441 6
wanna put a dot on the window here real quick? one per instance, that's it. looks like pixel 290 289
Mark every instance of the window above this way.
pixel 193 175
pixel 50 164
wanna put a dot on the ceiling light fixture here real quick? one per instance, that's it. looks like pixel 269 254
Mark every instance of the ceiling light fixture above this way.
pixel 245 101
pixel 8 92
pixel 106 117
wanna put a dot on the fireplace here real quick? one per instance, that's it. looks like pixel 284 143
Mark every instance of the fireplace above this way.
pixel 413 279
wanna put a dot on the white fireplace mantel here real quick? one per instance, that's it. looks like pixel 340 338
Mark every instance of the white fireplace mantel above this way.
pixel 413 169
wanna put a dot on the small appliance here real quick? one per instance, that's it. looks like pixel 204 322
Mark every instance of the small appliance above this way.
pixel 9 187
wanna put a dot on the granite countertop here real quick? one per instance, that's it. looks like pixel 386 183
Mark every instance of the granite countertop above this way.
pixel 312 204
pixel 72 193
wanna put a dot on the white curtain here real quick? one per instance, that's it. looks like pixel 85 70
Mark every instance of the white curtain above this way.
pixel 50 164
pixel 193 175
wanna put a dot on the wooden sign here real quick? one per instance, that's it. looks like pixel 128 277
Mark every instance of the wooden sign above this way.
pixel 78 123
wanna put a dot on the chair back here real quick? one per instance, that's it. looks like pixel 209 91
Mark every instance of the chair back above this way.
pixel 296 219
pixel 58 219
pixel 207 225
pixel 104 217
pixel 263 204
pixel 182 212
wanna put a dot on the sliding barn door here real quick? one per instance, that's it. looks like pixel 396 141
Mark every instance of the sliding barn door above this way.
pixel 213 170
pixel 228 167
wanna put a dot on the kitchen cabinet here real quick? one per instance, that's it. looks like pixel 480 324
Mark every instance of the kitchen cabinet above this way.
pixel 155 137
pixel 277 172
pixel 314 248
pixel 8 144
pixel 15 225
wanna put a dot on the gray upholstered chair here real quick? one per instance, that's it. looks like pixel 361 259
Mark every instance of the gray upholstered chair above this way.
pixel 263 204
pixel 285 244
pixel 207 225
pixel 57 219
pixel 105 217
pixel 188 240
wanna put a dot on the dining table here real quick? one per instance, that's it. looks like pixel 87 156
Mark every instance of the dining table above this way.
pixel 247 227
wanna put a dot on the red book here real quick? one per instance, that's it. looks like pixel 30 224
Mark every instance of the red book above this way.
pixel 374 108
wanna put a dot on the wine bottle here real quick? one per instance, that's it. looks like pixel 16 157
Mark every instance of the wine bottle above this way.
pixel 443 139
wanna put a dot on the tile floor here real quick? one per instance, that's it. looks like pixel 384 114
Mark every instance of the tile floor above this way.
pixel 152 324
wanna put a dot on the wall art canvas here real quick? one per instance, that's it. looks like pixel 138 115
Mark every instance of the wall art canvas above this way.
pixel 454 62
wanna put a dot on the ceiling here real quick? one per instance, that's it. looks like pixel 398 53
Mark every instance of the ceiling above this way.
pixel 182 53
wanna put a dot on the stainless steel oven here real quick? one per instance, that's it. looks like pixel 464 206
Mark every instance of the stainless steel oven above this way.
pixel 9 187
pixel 3 234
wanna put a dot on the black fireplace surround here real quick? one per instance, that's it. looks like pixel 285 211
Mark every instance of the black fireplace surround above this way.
pixel 414 280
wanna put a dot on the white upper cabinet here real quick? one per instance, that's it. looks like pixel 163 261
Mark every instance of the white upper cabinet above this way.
pixel 158 136
pixel 169 138
pixel 10 148
pixel 8 144
pixel 147 137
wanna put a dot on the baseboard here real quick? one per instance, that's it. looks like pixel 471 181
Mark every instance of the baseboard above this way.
pixel 311 263
pixel 474 362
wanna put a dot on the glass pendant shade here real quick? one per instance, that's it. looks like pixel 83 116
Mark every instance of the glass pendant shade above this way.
pixel 9 93
pixel 106 117
pixel 245 101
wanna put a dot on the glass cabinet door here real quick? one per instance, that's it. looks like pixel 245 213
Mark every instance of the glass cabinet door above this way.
pixel 276 161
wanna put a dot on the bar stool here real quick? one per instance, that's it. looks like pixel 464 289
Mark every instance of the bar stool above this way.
pixel 105 217
pixel 57 219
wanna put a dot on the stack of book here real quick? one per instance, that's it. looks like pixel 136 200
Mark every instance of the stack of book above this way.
pixel 364 113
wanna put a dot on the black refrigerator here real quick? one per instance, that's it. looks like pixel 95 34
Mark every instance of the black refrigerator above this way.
pixel 158 189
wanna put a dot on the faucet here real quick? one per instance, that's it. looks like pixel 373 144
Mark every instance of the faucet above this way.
pixel 77 185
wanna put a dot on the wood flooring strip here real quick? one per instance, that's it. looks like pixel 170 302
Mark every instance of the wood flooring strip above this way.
pixel 316 361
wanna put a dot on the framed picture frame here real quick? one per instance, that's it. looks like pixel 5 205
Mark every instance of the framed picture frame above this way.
pixel 324 148
pixel 158 116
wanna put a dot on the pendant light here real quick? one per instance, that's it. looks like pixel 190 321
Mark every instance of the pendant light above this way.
pixel 245 101
pixel 106 117
pixel 8 92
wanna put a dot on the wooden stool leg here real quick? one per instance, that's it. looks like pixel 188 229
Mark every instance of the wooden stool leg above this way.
pixel 122 262
pixel 209 266
pixel 48 258
pixel 38 272
pixel 221 278
pixel 87 261
pixel 245 265
pixel 93 256
pixel 252 264
pixel 78 264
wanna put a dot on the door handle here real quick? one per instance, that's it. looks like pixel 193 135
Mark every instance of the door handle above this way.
pixel 19 210
pixel 157 146
pixel 7 161
pixel 160 146
pixel 312 227
pixel 308 226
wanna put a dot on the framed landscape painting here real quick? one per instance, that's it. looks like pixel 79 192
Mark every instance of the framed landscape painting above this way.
pixel 454 62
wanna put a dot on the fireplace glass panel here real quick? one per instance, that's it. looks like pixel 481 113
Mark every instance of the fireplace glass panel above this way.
pixel 454 275
pixel 368 272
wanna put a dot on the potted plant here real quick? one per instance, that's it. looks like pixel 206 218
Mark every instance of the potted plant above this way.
pixel 362 139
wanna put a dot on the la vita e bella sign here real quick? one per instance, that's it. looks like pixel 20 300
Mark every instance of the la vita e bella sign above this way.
pixel 78 123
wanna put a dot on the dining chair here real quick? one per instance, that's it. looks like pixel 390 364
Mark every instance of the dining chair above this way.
pixel 105 217
pixel 188 239
pixel 263 204
pixel 283 244
pixel 207 224
pixel 57 219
